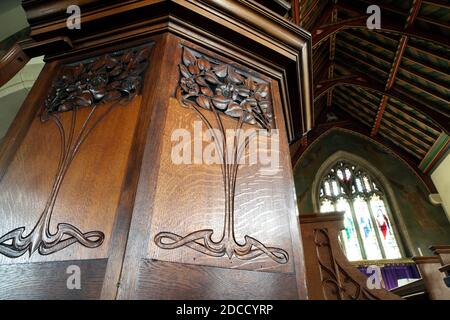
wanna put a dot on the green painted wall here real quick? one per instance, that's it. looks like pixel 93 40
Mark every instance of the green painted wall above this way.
pixel 12 18
pixel 10 105
pixel 426 224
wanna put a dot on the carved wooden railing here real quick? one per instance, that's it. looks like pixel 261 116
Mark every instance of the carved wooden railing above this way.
pixel 329 275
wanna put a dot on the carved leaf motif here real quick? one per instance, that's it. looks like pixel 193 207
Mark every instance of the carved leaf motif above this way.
pixel 194 69
pixel 203 102
pixel 211 77
pixel 184 71
pixel 110 62
pixel 249 118
pixel 262 91
pixel 264 105
pixel 244 92
pixel 204 64
pixel 221 70
pixel 142 54
pixel 220 102
pixel 208 83
pixel 188 57
pixel 98 94
pixel 234 76
pixel 201 81
pixel 98 64
pixel 108 77
pixel 126 58
pixel 249 84
pixel 116 71
pixel 207 91
pixel 222 89
pixel 234 110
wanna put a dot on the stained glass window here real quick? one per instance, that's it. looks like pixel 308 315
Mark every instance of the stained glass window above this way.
pixel 368 233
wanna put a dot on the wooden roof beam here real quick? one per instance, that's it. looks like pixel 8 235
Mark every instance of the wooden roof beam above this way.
pixel 360 81
pixel 325 16
pixel 296 11
pixel 325 31
pixel 354 126
pixel 413 13
pixel 422 63
pixel 438 3
pixel 396 63
pixel 379 116
pixel 310 9
pixel 394 69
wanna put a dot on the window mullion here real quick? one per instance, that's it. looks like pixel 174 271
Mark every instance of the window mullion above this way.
pixel 358 231
pixel 377 232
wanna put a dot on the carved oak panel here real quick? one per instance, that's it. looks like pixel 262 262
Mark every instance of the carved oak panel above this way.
pixel 228 214
pixel 66 152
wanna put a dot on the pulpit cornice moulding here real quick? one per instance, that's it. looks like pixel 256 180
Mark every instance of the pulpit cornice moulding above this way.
pixel 229 27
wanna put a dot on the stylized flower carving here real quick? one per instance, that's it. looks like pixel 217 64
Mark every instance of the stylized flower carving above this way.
pixel 105 78
pixel 208 83
pixel 190 86
pixel 110 77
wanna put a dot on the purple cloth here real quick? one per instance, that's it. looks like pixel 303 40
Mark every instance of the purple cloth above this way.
pixel 392 273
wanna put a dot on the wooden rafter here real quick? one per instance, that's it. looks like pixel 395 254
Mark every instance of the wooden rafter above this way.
pixel 296 11
pixel 400 30
pixel 395 65
pixel 325 16
pixel 438 118
pixel 352 124
pixel 412 97
pixel 310 9
pixel 325 31
pixel 435 153
pixel 412 59
pixel 413 13
pixel 379 115
pixel 331 54
pixel 438 3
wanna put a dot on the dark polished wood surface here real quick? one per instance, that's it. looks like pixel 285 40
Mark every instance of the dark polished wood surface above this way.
pixel 181 200
pixel 245 26
pixel 48 280
pixel 86 171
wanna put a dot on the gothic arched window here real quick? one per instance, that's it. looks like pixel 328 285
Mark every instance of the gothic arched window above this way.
pixel 369 233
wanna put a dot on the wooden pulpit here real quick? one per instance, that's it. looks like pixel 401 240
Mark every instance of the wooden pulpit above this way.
pixel 107 187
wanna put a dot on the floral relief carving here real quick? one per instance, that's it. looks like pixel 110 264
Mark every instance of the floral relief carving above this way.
pixel 115 78
pixel 209 85
pixel 107 78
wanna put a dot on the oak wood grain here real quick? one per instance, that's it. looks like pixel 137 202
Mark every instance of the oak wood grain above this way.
pixel 48 280
pixel 184 198
pixel 90 192
pixel 166 280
